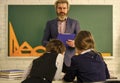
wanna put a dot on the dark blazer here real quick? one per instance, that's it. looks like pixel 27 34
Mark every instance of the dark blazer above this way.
pixel 88 67
pixel 43 69
pixel 51 32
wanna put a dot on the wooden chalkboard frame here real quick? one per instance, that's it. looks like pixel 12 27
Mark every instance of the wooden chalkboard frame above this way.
pixel 28 23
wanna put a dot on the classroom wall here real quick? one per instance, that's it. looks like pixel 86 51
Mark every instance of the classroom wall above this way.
pixel 22 63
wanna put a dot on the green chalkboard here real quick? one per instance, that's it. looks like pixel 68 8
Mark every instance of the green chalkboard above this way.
pixel 29 22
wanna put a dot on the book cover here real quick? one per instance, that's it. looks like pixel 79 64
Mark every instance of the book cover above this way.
pixel 4 73
pixel 11 74
pixel 12 77
pixel 11 71
pixel 65 37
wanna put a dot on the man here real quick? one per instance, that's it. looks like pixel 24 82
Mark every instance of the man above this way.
pixel 61 25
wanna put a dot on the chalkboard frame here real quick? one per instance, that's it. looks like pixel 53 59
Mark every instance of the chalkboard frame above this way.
pixel 85 25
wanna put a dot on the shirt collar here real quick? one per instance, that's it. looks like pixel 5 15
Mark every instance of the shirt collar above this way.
pixel 86 51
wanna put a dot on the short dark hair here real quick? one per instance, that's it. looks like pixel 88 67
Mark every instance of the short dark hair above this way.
pixel 55 45
pixel 62 1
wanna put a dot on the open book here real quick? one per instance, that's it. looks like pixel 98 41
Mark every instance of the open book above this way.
pixel 65 37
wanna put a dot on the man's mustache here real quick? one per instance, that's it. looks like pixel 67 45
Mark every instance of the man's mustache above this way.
pixel 61 13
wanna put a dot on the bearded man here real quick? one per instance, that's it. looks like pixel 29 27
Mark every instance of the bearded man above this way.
pixel 62 25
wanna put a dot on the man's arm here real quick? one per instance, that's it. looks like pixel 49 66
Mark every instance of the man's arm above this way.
pixel 46 35
pixel 76 31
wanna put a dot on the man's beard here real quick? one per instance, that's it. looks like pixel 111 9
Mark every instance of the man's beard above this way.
pixel 62 16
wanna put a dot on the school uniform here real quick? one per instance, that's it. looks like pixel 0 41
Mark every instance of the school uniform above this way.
pixel 43 69
pixel 87 67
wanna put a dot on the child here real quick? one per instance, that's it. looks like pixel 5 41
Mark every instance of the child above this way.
pixel 47 67
pixel 88 65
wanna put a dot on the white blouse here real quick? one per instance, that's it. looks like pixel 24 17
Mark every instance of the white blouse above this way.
pixel 59 65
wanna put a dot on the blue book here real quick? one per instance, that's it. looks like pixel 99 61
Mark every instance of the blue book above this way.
pixel 11 71
pixel 65 37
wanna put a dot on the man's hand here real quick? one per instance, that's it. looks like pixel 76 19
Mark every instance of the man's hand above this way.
pixel 70 43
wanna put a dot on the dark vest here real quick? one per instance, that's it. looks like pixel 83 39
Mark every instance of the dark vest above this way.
pixel 43 69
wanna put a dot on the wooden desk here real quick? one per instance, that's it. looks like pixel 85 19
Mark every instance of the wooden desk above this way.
pixel 19 81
